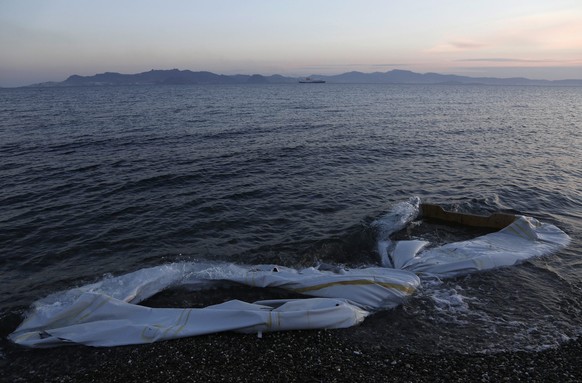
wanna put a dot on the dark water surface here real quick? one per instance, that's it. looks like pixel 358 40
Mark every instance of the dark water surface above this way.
pixel 109 180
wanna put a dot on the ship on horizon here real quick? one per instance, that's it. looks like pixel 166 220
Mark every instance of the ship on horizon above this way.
pixel 309 80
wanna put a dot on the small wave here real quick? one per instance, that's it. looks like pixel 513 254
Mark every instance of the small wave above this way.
pixel 396 219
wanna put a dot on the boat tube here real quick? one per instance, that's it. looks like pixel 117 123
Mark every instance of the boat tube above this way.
pixel 519 239
pixel 106 313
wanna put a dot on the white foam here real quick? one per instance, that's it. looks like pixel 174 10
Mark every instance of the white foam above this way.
pixel 464 321
pixel 396 219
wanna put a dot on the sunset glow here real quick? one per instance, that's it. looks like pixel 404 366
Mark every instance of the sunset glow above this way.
pixel 48 41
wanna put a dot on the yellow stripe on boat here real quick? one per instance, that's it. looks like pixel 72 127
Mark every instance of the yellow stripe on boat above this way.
pixel 404 289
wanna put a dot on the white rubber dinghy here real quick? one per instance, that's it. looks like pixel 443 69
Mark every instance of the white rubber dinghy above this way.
pixel 106 314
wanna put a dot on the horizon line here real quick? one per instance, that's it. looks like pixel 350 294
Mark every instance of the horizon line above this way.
pixel 297 76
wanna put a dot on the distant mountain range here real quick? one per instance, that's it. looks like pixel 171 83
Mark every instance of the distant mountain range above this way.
pixel 167 77
pixel 175 76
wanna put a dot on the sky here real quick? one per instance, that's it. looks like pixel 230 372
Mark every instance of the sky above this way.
pixel 49 40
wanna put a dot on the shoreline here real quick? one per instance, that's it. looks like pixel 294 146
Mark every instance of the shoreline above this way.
pixel 292 356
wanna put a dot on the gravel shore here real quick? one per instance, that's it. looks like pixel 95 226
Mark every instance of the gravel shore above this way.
pixel 294 356
pixel 358 354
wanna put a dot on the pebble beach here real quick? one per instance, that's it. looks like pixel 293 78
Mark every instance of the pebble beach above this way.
pixel 294 356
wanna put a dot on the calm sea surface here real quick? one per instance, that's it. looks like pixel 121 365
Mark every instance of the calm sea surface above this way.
pixel 100 181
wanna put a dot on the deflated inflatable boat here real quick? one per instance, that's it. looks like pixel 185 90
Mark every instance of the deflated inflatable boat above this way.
pixel 106 313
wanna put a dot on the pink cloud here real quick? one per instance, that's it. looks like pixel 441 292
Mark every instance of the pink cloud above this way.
pixel 457 46
pixel 466 44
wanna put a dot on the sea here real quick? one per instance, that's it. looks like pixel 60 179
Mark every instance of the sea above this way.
pixel 102 181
